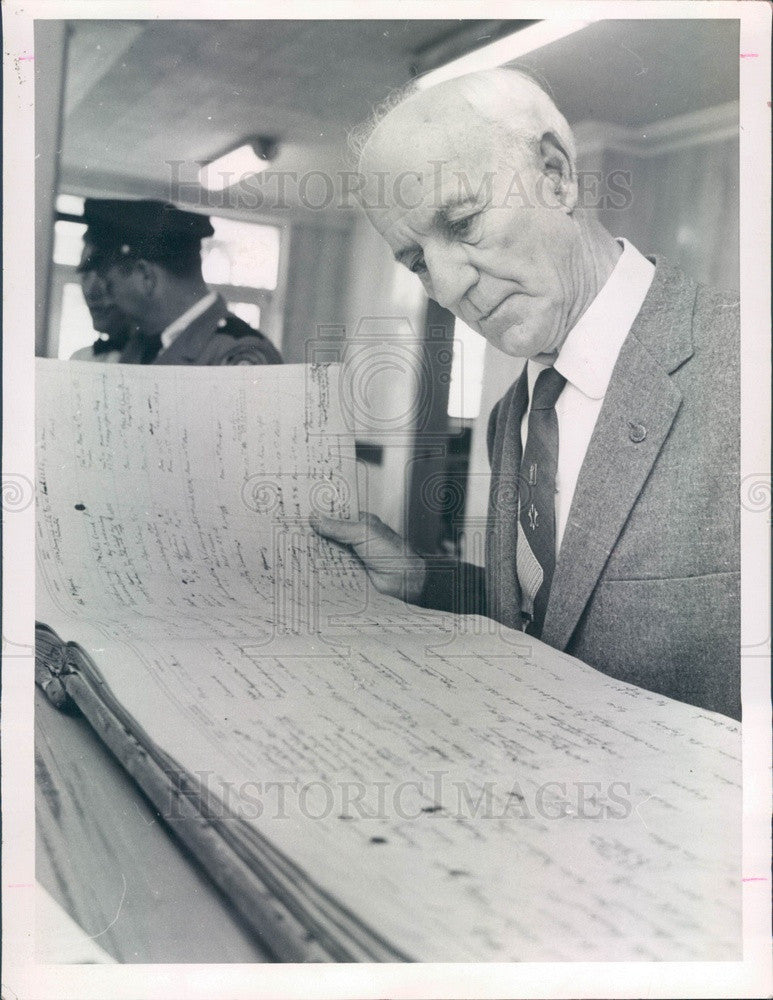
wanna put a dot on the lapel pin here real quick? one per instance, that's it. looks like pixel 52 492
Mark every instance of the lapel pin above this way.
pixel 637 432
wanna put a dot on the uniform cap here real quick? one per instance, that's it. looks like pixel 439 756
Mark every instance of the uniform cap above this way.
pixel 152 230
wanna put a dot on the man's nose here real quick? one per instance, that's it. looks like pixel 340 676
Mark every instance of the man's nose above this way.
pixel 450 275
pixel 93 286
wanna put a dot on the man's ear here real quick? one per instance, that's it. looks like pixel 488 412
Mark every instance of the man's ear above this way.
pixel 148 276
pixel 559 171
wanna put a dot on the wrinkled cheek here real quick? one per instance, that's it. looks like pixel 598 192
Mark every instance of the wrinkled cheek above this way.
pixel 562 292
pixel 126 303
pixel 542 320
pixel 122 301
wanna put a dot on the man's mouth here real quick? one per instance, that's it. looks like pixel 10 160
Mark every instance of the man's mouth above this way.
pixel 492 314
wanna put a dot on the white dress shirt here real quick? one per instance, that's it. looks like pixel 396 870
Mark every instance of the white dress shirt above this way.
pixel 176 327
pixel 586 360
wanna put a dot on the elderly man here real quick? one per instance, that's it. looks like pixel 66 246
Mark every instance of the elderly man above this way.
pixel 147 254
pixel 613 528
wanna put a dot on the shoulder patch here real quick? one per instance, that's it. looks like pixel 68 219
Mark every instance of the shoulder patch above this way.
pixel 236 343
pixel 252 350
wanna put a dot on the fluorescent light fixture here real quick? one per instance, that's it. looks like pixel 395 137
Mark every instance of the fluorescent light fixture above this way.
pixel 244 161
pixel 503 50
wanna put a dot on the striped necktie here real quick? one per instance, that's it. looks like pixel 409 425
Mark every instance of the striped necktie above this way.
pixel 536 549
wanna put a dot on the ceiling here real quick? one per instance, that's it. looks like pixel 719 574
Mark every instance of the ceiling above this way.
pixel 141 94
pixel 635 73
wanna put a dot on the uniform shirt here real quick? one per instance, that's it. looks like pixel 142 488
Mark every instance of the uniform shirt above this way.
pixel 586 360
pixel 208 334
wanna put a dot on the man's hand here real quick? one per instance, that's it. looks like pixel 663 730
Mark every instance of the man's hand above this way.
pixel 392 566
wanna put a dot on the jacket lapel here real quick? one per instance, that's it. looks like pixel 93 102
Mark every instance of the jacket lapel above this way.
pixel 503 592
pixel 188 348
pixel 638 410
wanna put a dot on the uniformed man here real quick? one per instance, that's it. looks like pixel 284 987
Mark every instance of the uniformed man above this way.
pixel 148 254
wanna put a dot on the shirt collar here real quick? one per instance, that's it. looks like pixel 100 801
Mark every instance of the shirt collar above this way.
pixel 176 327
pixel 589 353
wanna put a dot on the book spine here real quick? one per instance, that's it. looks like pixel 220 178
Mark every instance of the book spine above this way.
pixel 267 917
pixel 51 665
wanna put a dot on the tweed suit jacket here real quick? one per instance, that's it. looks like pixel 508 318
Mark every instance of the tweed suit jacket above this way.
pixel 646 586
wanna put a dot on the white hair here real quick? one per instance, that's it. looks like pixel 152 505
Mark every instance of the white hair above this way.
pixel 508 98
pixel 359 135
pixel 512 100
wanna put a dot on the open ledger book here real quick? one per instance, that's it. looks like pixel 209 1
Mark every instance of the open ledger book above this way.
pixel 364 780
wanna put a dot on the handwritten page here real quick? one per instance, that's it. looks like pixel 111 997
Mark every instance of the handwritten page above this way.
pixel 464 790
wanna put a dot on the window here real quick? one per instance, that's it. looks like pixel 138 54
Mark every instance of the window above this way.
pixel 464 391
pixel 68 242
pixel 247 311
pixel 242 262
pixel 75 320
pixel 241 253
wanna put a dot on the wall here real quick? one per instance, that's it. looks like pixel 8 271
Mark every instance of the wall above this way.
pixel 50 54
pixel 684 200
pixel 317 266
pixel 385 309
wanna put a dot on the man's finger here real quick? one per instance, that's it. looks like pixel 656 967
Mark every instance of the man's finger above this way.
pixel 345 532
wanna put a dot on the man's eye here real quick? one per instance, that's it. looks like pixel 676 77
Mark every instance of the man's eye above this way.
pixel 461 227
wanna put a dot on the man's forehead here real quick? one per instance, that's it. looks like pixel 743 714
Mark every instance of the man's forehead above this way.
pixel 440 164
pixel 96 261
pixel 418 133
